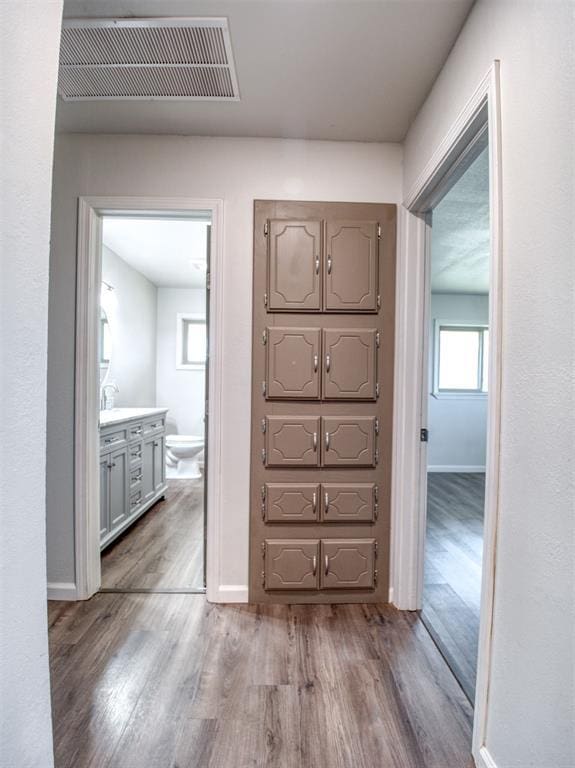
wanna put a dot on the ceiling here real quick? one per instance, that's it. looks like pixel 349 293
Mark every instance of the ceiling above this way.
pixel 348 70
pixel 171 253
pixel 460 234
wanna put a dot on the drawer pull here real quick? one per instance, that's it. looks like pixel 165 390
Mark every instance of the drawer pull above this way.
pixel 314 565
pixel 315 441
pixel 315 363
pixel 317 265
pixel 329 265
pixel 326 502
pixel 327 363
pixel 109 440
pixel 326 562
pixel 314 502
pixel 327 441
pixel 137 479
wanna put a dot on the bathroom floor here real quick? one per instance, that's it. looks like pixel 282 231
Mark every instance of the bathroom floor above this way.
pixel 164 550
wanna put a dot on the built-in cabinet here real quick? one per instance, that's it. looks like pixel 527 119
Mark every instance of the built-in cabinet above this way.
pixel 132 469
pixel 322 401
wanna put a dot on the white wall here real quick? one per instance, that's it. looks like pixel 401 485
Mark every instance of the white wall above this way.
pixel 531 699
pixel 133 330
pixel 26 147
pixel 457 424
pixel 182 391
pixel 236 170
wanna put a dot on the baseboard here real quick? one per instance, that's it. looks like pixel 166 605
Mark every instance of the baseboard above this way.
pixel 230 593
pixel 62 590
pixel 456 468
pixel 484 760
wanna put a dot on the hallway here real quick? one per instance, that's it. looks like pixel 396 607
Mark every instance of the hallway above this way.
pixel 171 680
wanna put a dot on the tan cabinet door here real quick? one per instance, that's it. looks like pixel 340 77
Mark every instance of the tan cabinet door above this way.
pixel 347 563
pixel 351 274
pixel 348 502
pixel 350 357
pixel 292 363
pixel 291 564
pixel 349 441
pixel 294 255
pixel 292 441
pixel 291 502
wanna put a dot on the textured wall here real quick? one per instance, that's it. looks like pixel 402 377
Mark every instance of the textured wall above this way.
pixel 26 160
pixel 531 702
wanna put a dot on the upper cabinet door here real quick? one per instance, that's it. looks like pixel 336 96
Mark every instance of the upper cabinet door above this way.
pixel 351 266
pixel 349 442
pixel 291 441
pixel 349 364
pixel 293 363
pixel 294 256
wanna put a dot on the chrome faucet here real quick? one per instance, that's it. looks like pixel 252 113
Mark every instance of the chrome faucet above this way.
pixel 104 396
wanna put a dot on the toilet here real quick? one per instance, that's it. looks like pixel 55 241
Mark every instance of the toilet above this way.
pixel 184 456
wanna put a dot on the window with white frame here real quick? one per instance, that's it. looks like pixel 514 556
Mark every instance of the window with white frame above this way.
pixel 191 341
pixel 461 359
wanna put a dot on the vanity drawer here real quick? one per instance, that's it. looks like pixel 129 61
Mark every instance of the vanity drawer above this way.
pixel 135 431
pixel 154 425
pixel 135 454
pixel 135 478
pixel 135 501
pixel 112 439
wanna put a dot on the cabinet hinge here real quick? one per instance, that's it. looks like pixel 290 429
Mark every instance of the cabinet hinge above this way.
pixel 377 389
pixel 379 231
pixel 266 229
pixel 424 435
pixel 375 577
pixel 208 281
pixel 264 388
pixel 376 456
pixel 377 339
pixel 207 408
pixel 265 299
pixel 379 300
pixel 263 549
pixel 264 455
pixel 263 424
pixel 375 550
pixel 263 504
pixel 377 426
pixel 265 336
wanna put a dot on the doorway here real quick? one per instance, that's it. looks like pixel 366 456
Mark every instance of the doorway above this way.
pixel 456 403
pixel 152 369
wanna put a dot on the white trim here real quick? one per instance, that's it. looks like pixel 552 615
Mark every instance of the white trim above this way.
pixel 456 468
pixel 483 759
pixel 231 593
pixel 86 448
pixel 62 590
pixel 408 492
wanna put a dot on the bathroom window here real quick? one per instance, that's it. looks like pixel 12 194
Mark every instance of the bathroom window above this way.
pixel 461 355
pixel 191 342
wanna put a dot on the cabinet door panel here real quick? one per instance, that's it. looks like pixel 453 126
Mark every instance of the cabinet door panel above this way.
pixel 348 563
pixel 348 502
pixel 118 487
pixel 351 281
pixel 349 364
pixel 291 502
pixel 292 441
pixel 148 452
pixel 293 363
pixel 159 463
pixel 294 252
pixel 291 564
pixel 104 497
pixel 349 442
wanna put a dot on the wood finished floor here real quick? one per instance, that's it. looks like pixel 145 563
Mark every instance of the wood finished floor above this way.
pixel 171 681
pixel 164 549
pixel 452 584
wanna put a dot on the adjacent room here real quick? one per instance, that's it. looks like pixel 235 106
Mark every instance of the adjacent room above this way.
pixel 457 419
pixel 152 362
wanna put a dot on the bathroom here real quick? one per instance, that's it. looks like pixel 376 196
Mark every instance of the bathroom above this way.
pixel 152 363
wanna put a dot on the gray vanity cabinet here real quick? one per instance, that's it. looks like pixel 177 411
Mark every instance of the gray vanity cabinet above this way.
pixel 132 470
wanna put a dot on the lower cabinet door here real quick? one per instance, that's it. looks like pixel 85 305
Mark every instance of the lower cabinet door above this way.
pixel 159 463
pixel 291 564
pixel 348 502
pixel 292 441
pixel 348 563
pixel 104 497
pixel 118 487
pixel 290 502
pixel 148 456
pixel 349 442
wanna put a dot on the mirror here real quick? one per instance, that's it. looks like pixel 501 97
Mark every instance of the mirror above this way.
pixel 105 345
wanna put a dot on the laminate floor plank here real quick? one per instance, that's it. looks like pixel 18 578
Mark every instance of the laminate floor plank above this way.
pixel 171 681
pixel 452 576
pixel 164 549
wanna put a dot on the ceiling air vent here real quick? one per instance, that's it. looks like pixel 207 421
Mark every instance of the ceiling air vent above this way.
pixel 147 59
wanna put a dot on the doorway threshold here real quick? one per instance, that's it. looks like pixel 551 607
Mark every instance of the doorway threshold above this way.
pixel 159 591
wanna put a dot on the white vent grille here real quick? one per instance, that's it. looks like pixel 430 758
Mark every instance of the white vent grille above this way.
pixel 147 59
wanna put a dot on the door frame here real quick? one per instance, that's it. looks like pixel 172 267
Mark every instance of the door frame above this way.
pixel 87 389
pixel 480 119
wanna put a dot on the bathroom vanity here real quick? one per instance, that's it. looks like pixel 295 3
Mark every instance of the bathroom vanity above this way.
pixel 132 466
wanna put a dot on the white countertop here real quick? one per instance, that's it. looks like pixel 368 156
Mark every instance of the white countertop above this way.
pixel 116 415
